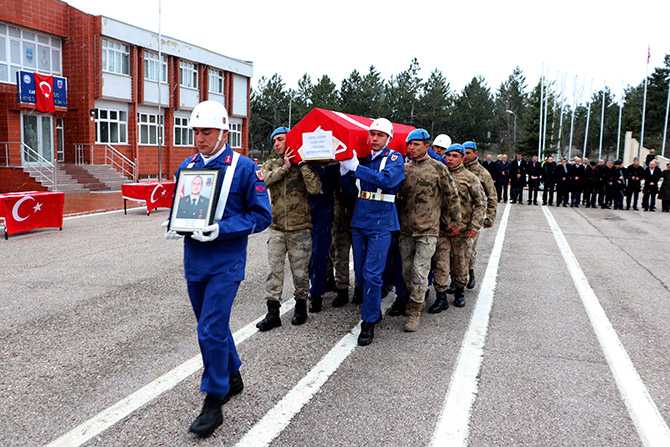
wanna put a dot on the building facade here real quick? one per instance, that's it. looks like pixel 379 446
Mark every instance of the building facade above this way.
pixel 127 98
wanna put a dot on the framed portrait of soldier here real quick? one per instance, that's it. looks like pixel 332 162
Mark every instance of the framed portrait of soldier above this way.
pixel 195 199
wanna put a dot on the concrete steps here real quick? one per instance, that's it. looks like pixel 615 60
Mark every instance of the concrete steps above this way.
pixel 75 178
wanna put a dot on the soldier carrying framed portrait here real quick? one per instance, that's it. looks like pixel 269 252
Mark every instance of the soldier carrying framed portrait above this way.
pixel 195 200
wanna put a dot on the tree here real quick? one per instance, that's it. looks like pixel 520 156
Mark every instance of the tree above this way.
pixel 269 110
pixel 352 97
pixel 610 126
pixel 403 93
pixel 473 115
pixel 511 95
pixel 528 145
pixel 434 104
pixel 325 94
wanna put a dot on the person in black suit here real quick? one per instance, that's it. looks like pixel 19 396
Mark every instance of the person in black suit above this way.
pixel 576 181
pixel 562 183
pixel 491 166
pixel 619 179
pixel 665 190
pixel 502 181
pixel 634 173
pixel 549 181
pixel 601 170
pixel 652 175
pixel 590 185
pixel 517 175
pixel 193 206
pixel 534 171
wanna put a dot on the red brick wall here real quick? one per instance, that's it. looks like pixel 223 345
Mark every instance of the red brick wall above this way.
pixel 15 179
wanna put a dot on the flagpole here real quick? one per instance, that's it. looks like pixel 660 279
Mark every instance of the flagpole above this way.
pixel 544 125
pixel 602 122
pixel 618 132
pixel 588 117
pixel 572 120
pixel 539 139
pixel 160 135
pixel 644 103
pixel 665 127
pixel 560 120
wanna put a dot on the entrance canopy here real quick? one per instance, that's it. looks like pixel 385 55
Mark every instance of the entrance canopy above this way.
pixel 349 132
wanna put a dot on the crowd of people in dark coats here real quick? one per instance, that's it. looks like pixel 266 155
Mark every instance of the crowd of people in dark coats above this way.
pixel 604 184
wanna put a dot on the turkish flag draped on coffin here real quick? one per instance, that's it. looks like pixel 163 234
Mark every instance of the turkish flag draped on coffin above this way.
pixel 27 211
pixel 44 93
pixel 349 132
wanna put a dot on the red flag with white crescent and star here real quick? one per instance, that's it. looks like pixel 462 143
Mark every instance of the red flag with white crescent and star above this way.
pixel 23 212
pixel 44 93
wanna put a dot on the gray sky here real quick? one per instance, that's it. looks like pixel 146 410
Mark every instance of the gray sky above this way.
pixel 603 41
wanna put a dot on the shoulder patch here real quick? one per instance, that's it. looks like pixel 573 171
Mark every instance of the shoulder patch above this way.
pixel 195 156
pixel 259 174
pixel 394 157
pixel 229 158
pixel 386 152
pixel 260 189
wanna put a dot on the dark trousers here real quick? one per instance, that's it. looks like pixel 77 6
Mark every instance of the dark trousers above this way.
pixel 602 195
pixel 649 198
pixel 517 194
pixel 501 188
pixel 318 263
pixel 586 196
pixel 548 194
pixel 370 250
pixel 533 189
pixel 576 197
pixel 632 192
pixel 562 195
pixel 665 204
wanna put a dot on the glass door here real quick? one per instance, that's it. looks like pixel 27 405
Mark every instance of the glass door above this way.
pixel 38 136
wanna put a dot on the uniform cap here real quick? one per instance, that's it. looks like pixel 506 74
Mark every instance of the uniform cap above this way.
pixel 442 140
pixel 278 131
pixel 456 147
pixel 417 134
pixel 470 145
pixel 209 115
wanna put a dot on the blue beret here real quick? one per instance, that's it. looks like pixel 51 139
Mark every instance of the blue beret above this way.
pixel 470 145
pixel 279 130
pixel 456 147
pixel 418 134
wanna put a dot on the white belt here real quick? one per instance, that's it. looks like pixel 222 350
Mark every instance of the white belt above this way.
pixel 368 195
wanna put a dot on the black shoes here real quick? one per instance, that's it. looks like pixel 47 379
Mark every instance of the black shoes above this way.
pixel 272 319
pixel 399 306
pixel 358 296
pixel 236 386
pixel 459 297
pixel 441 303
pixel 472 282
pixel 210 417
pixel 367 333
pixel 330 284
pixel 300 314
pixel 342 298
pixel 315 303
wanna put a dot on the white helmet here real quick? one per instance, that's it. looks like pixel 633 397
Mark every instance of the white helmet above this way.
pixel 383 125
pixel 209 115
pixel 442 140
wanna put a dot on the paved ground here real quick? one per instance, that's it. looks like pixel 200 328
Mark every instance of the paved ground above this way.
pixel 92 314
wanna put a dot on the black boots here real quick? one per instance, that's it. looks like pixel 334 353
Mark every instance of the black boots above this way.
pixel 440 303
pixel 272 319
pixel 358 296
pixel 459 297
pixel 399 306
pixel 300 315
pixel 315 303
pixel 471 282
pixel 367 333
pixel 452 286
pixel 236 386
pixel 210 417
pixel 342 298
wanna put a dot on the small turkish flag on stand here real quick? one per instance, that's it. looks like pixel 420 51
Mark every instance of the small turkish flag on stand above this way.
pixel 27 211
pixel 44 93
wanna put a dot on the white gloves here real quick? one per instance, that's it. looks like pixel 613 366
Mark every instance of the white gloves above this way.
pixel 170 235
pixel 213 231
pixel 351 164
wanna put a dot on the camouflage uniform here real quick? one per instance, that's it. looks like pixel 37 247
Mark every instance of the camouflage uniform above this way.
pixel 491 201
pixel 428 189
pixel 344 210
pixel 291 223
pixel 471 197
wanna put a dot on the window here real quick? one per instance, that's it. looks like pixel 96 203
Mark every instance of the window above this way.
pixel 151 66
pixel 188 74
pixel 183 135
pixel 115 57
pixel 111 126
pixel 235 135
pixel 216 81
pixel 27 50
pixel 148 126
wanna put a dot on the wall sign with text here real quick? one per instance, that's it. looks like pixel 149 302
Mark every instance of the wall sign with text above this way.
pixel 41 91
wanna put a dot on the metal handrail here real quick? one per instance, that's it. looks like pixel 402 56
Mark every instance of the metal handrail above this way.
pixel 110 157
pixel 43 165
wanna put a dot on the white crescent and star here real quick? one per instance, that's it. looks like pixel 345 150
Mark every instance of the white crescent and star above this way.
pixel 153 200
pixel 44 84
pixel 15 210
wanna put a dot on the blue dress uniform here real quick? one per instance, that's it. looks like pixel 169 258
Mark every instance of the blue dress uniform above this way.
pixel 375 217
pixel 323 213
pixel 214 270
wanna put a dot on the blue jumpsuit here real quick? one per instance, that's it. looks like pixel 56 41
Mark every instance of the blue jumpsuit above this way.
pixel 323 209
pixel 372 224
pixel 214 270
pixel 435 156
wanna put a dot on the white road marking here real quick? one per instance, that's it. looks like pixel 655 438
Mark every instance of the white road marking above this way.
pixel 148 393
pixel 452 427
pixel 648 421
pixel 278 418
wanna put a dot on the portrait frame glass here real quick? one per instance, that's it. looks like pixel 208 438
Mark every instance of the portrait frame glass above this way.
pixel 191 212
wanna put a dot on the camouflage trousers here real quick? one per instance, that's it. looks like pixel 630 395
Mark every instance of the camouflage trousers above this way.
pixel 298 246
pixel 339 254
pixel 473 252
pixel 416 254
pixel 451 255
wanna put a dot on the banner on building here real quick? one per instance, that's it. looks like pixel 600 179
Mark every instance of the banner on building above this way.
pixel 44 92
